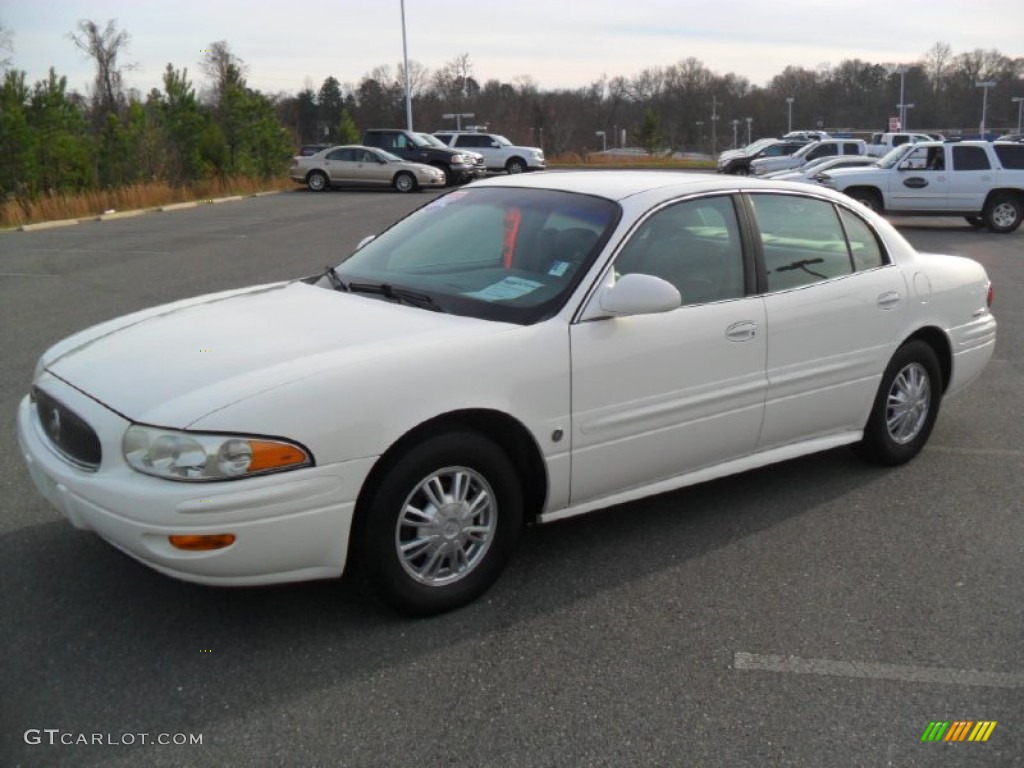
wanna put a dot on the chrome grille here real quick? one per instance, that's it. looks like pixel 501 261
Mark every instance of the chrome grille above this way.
pixel 67 431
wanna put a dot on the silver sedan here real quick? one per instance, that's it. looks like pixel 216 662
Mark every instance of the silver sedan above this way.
pixel 357 166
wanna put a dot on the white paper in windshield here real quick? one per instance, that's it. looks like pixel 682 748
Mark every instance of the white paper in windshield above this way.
pixel 508 288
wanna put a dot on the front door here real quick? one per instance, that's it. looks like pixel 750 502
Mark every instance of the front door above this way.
pixel 656 396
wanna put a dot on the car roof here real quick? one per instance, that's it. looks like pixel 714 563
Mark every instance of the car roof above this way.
pixel 619 185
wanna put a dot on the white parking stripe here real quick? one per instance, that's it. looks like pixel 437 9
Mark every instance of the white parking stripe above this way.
pixel 757 662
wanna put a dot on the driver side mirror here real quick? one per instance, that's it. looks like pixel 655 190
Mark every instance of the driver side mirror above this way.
pixel 633 294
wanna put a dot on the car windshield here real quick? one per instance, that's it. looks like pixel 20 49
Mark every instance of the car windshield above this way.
pixel 388 156
pixel 759 144
pixel 502 141
pixel 418 140
pixel 432 140
pixel 893 156
pixel 508 254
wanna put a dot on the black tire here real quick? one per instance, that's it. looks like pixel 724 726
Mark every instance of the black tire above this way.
pixel 975 221
pixel 317 181
pixel 516 165
pixel 868 198
pixel 429 576
pixel 905 407
pixel 1003 213
pixel 740 170
pixel 405 182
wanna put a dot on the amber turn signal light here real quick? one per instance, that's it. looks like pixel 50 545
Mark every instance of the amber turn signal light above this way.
pixel 195 542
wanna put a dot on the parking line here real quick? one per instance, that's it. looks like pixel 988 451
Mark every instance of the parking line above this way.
pixel 1009 453
pixel 756 662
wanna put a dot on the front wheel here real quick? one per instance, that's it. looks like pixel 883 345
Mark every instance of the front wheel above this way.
pixel 404 182
pixel 905 407
pixel 868 198
pixel 438 528
pixel 740 171
pixel 516 165
pixel 317 181
pixel 1003 213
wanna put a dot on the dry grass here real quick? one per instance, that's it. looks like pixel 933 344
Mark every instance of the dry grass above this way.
pixel 56 205
pixel 576 160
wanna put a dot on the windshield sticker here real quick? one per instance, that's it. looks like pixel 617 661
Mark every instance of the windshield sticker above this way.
pixel 509 288
pixel 558 268
pixel 446 200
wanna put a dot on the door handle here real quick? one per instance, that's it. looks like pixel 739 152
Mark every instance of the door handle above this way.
pixel 744 330
pixel 888 300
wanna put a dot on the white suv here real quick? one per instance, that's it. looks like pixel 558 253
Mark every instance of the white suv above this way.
pixel 499 153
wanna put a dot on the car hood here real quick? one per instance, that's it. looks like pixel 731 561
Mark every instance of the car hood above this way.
pixel 170 366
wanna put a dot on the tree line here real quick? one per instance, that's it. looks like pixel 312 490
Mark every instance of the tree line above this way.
pixel 53 139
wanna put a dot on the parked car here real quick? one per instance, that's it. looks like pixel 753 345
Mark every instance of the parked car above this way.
pixel 520 349
pixel 362 166
pixel 408 145
pixel 311 149
pixel 881 143
pixel 806 135
pixel 473 159
pixel 808 173
pixel 813 151
pixel 739 164
pixel 979 180
pixel 499 153
pixel 1017 137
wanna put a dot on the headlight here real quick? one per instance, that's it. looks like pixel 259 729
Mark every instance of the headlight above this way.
pixel 538 155
pixel 459 159
pixel 200 457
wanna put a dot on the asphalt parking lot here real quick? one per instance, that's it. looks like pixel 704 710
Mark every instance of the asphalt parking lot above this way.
pixel 815 613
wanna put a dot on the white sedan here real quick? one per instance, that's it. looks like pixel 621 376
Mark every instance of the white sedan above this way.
pixel 524 349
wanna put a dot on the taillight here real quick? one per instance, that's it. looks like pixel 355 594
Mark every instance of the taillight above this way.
pixel 990 295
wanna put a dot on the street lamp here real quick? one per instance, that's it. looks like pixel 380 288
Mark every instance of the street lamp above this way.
pixel 903 114
pixel 735 124
pixel 700 132
pixel 604 140
pixel 1020 109
pixel 457 117
pixel 749 121
pixel 984 85
pixel 405 59
pixel 789 120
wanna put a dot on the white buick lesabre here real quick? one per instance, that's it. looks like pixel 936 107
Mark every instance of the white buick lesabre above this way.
pixel 523 349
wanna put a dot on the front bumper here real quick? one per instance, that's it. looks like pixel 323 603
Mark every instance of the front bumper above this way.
pixel 291 526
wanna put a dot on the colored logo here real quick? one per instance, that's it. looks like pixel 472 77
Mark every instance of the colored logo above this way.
pixel 958 730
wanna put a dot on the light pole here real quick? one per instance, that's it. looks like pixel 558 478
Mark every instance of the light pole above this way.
pixel 700 132
pixel 405 60
pixel 902 107
pixel 749 121
pixel 604 140
pixel 984 85
pixel 789 119
pixel 735 124
pixel 1020 109
pixel 903 114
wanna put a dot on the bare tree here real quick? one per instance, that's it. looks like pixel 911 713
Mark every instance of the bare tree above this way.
pixel 223 68
pixel 6 47
pixel 103 47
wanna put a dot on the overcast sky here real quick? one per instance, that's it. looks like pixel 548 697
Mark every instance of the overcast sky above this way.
pixel 559 43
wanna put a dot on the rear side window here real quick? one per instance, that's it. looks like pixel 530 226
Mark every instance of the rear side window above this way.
pixel 865 249
pixel 1010 155
pixel 802 240
pixel 970 159
pixel 851 149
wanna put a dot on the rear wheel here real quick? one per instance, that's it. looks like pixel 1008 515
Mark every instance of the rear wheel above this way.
pixel 906 406
pixel 438 528
pixel 317 181
pixel 404 182
pixel 1003 213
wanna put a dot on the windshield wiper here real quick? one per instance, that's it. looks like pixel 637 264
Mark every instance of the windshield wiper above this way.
pixel 336 282
pixel 401 295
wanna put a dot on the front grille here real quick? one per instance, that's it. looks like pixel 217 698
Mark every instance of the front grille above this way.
pixel 67 431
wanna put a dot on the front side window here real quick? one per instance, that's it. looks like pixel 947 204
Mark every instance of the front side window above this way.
pixel 501 254
pixel 694 245
pixel 802 240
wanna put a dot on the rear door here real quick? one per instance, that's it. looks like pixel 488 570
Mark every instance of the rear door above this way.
pixel 971 178
pixel 835 306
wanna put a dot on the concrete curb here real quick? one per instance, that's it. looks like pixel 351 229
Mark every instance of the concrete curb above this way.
pixel 120 214
pixel 177 206
pixel 226 199
pixel 47 225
